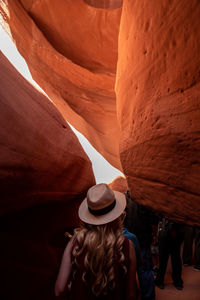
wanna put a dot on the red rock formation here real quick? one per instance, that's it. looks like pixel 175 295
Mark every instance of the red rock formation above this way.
pixel 40 154
pixel 44 173
pixel 105 3
pixel 157 87
pixel 71 51
pixel 158 104
pixel 119 184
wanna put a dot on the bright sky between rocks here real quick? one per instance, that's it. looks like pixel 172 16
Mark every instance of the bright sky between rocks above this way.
pixel 103 171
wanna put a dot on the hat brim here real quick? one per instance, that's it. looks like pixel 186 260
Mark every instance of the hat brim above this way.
pixel 89 218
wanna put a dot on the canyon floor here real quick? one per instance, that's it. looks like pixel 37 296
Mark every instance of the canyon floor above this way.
pixel 191 290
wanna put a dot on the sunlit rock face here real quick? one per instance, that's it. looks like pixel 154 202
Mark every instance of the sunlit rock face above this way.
pixel 40 154
pixel 107 4
pixel 158 103
pixel 119 184
pixel 44 174
pixel 71 51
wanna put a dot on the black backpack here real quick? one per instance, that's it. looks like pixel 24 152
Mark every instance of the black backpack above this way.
pixel 165 227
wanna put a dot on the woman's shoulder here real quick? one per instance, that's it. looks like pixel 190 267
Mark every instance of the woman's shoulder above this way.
pixel 127 247
pixel 126 241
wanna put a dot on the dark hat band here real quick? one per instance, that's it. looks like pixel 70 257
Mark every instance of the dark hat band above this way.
pixel 102 211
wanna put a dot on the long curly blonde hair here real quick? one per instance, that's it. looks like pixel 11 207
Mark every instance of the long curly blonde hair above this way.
pixel 102 245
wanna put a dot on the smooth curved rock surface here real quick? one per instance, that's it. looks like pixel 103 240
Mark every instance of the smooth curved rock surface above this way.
pixel 44 174
pixel 108 4
pixel 119 184
pixel 71 51
pixel 158 105
pixel 157 87
pixel 40 154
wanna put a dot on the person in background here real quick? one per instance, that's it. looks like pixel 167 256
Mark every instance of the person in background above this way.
pixel 191 233
pixel 197 249
pixel 99 262
pixel 154 249
pixel 139 221
pixel 135 242
pixel 170 238
pixel 132 237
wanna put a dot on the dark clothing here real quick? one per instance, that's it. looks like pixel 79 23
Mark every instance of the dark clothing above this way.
pixel 81 291
pixel 135 242
pixel 139 221
pixel 170 238
pixel 188 244
pixel 191 233
pixel 197 247
pixel 144 267
pixel 146 275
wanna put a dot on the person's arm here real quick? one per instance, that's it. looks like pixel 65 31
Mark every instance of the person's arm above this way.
pixel 65 270
pixel 131 293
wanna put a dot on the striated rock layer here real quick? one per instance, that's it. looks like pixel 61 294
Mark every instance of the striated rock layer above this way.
pixel 105 3
pixel 44 174
pixel 71 51
pixel 158 104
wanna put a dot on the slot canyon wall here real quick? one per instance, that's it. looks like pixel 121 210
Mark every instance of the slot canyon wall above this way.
pixel 44 174
pixel 119 184
pixel 155 119
pixel 71 52
pixel 158 105
pixel 128 79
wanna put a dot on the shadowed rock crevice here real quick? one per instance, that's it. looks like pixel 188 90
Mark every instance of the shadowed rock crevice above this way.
pixel 152 130
pixel 127 79
pixel 44 174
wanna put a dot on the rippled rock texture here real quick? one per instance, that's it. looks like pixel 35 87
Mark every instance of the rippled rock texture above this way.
pixel 158 104
pixel 71 51
pixel 150 127
pixel 44 174
pixel 128 79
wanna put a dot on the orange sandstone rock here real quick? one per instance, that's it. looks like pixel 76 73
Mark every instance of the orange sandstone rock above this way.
pixel 40 155
pixel 71 51
pixel 108 4
pixel 119 184
pixel 158 105
pixel 44 174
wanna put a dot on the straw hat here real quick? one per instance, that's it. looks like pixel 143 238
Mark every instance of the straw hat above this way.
pixel 102 205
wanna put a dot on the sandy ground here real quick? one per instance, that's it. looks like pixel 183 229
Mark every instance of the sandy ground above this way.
pixel 191 290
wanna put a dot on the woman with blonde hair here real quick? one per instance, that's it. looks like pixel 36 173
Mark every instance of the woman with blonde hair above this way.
pixel 99 261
